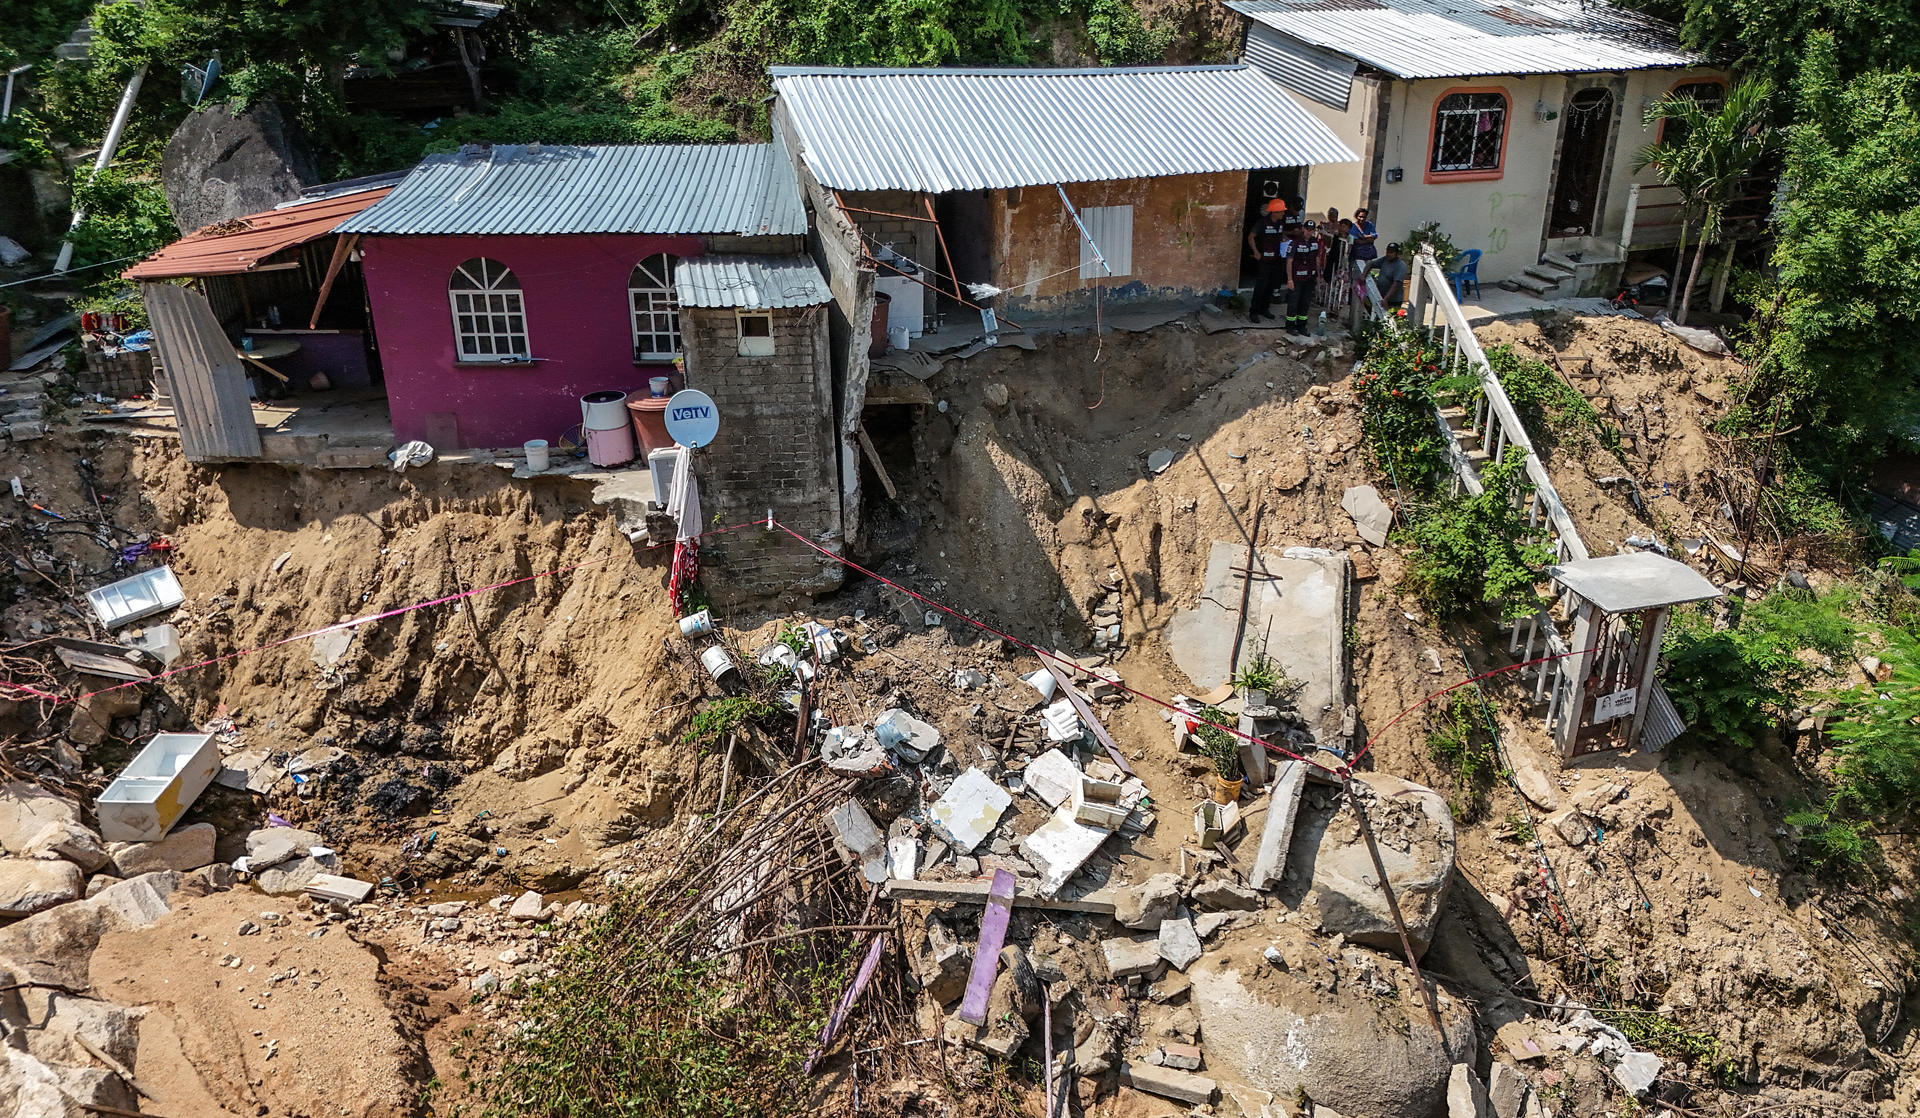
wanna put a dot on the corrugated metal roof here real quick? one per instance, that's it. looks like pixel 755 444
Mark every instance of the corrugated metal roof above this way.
pixel 749 282
pixel 1324 75
pixel 1466 38
pixel 747 189
pixel 954 129
pixel 212 253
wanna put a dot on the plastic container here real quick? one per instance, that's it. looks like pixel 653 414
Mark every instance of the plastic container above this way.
pixel 612 446
pixel 160 641
pixel 877 346
pixel 659 386
pixel 650 424
pixel 899 336
pixel 142 595
pixel 538 458
pixel 157 787
pixel 718 662
pixel 603 411
pixel 697 624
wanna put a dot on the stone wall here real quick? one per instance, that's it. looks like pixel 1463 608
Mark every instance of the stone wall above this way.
pixel 775 450
pixel 119 374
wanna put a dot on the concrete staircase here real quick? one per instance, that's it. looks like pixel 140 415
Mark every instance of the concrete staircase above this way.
pixel 79 45
pixel 1552 278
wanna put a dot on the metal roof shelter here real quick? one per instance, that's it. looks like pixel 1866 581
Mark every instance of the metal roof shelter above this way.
pixel 750 282
pixel 239 246
pixel 746 189
pixel 1635 581
pixel 939 130
pixel 1464 38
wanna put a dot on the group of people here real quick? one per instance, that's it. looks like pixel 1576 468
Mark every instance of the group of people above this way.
pixel 1298 256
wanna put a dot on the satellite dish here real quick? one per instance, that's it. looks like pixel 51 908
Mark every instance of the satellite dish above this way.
pixel 196 83
pixel 693 419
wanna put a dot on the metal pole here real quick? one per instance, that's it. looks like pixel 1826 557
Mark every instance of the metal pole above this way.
pixel 1075 215
pixel 6 106
pixel 107 147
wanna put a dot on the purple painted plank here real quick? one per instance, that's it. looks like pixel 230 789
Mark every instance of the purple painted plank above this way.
pixel 1046 1025
pixel 986 953
pixel 838 1017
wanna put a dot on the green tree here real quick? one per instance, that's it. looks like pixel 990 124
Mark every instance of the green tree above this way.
pixel 1836 359
pixel 1769 38
pixel 1710 151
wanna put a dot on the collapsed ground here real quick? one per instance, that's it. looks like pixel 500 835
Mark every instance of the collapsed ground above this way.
pixel 532 737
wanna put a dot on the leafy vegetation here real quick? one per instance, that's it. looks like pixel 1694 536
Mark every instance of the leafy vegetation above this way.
pixel 1445 252
pixel 1460 739
pixel 1477 548
pixel 1219 747
pixel 1397 389
pixel 1674 1041
pixel 722 716
pixel 1735 683
pixel 1553 410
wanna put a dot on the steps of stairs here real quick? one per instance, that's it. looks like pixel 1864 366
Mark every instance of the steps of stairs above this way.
pixel 73 52
pixel 1547 274
pixel 1561 261
pixel 1528 284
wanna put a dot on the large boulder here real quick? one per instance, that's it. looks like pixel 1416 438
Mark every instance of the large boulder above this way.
pixel 29 885
pixel 1306 1028
pixel 219 166
pixel 1331 871
pixel 185 848
pixel 25 812
pixel 55 946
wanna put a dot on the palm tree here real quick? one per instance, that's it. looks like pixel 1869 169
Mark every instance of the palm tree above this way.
pixel 1705 151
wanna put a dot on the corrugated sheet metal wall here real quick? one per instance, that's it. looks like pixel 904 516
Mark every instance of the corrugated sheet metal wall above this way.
pixel 1320 74
pixel 1111 227
pixel 208 385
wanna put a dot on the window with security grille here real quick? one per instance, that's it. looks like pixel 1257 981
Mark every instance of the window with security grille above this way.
pixel 656 312
pixel 1708 95
pixel 489 315
pixel 1468 132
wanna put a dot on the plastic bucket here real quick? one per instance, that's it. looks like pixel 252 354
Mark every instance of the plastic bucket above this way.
pixel 659 385
pixel 899 336
pixel 697 624
pixel 538 458
pixel 718 662
pixel 603 411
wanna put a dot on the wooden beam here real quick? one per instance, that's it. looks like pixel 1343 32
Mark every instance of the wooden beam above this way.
pixel 873 456
pixel 1085 710
pixel 975 892
pixel 342 249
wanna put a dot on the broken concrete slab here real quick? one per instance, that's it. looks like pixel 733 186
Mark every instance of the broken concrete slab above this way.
pixel 183 849
pixel 1372 518
pixel 1208 923
pixel 1143 906
pixel 1466 1095
pixel 861 840
pixel 1052 776
pixel 1637 1071
pixel 1059 847
pixel 905 735
pixel 250 770
pixel 344 890
pixel 1219 893
pixel 30 885
pixel 1180 1057
pixel 1179 943
pixel 1276 832
pixel 942 967
pixel 1168 1083
pixel 970 809
pixel 1415 832
pixel 1506 1091
pixel 850 751
pixel 1534 783
pixel 1127 956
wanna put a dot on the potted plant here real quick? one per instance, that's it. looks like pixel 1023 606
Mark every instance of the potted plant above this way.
pixel 1223 749
pixel 1256 680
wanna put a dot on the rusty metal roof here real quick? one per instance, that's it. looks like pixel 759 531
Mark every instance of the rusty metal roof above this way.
pixel 236 246
pixel 965 129
pixel 746 189
pixel 1469 38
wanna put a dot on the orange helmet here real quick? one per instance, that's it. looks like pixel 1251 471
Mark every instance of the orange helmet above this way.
pixel 1276 206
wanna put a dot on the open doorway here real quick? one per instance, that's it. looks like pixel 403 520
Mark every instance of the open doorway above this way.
pixel 1263 187
pixel 1584 137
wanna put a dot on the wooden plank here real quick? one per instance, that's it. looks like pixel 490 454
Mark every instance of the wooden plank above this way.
pixel 986 953
pixel 207 381
pixel 342 248
pixel 1085 710
pixel 873 456
pixel 975 892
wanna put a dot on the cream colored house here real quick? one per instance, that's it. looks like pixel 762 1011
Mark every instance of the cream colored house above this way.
pixel 1513 123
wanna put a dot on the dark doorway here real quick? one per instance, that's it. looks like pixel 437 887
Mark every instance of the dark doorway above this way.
pixel 1263 187
pixel 1583 163
pixel 966 224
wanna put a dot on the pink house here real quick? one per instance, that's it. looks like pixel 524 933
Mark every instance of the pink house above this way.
pixel 507 282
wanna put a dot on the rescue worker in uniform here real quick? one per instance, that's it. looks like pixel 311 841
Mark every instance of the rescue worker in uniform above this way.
pixel 1306 256
pixel 1268 240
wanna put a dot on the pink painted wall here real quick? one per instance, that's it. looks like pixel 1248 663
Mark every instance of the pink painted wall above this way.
pixel 578 326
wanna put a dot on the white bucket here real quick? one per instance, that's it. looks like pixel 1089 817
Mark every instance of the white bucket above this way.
pixel 658 386
pixel 1041 681
pixel 697 624
pixel 604 411
pixel 537 457
pixel 717 662
pixel 899 336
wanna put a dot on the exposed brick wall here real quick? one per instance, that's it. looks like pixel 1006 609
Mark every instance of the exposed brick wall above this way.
pixel 775 450
pixel 124 374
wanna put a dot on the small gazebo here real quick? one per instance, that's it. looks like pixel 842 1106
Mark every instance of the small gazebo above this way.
pixel 1613 698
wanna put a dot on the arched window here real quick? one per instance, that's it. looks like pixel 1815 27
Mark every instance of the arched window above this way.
pixel 1469 133
pixel 656 313
pixel 489 315
pixel 1708 95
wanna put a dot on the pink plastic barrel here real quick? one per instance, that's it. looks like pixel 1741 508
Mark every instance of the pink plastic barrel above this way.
pixel 612 447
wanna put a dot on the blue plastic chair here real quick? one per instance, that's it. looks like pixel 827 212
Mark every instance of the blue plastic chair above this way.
pixel 1467 275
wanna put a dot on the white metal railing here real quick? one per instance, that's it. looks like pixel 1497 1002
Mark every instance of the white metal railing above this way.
pixel 1495 423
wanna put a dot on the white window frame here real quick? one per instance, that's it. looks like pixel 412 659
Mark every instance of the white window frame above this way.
pixel 756 345
pixel 489 313
pixel 657 305
pixel 1111 227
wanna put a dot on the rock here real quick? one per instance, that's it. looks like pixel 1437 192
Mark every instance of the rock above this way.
pixel 55 946
pixel 289 877
pixel 1414 831
pixel 1094 1054
pixel 943 963
pixel 55 1018
pixel 1179 944
pixel 529 906
pixel 1571 826
pixel 1180 1057
pixel 71 841
pixel 218 166
pixel 994 395
pixel 1219 893
pixel 1506 1091
pixel 1170 989
pixel 1130 955
pixel 1534 783
pixel 1637 1071
pixel 1280 1031
pixel 26 810
pixel 29 885
pixel 1145 905
pixel 210 879
pixel 1209 923
pixel 905 735
pixel 1168 1083
pixel 1466 1096
pixel 247 928
pixel 99 882
pixel 185 848
pixel 1182 1024
pixel 140 901
pixel 1016 989
pixel 1371 515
